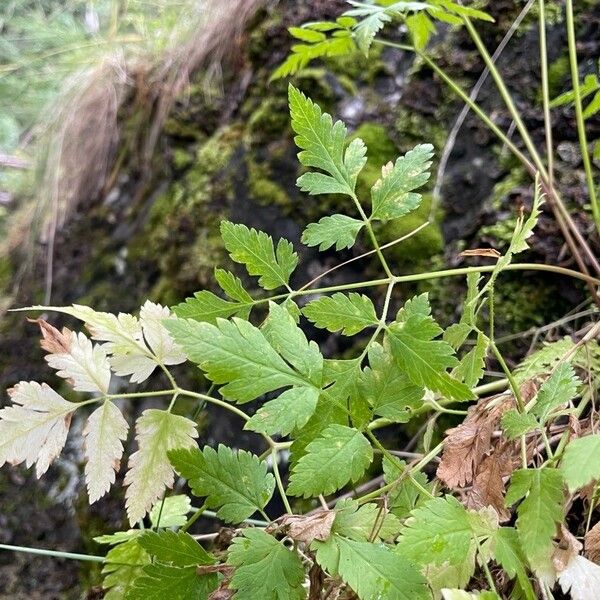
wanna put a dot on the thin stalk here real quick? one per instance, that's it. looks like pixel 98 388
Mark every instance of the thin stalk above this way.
pixel 546 91
pixel 197 514
pixel 513 384
pixel 371 233
pixel 585 155
pixel 279 481
pixel 53 553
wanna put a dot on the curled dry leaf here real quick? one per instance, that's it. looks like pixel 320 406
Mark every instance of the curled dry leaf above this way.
pixel 466 445
pixel 486 252
pixel 488 485
pixel 592 543
pixel 308 528
pixel 568 548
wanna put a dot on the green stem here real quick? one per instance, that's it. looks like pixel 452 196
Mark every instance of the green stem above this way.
pixel 279 481
pixel 484 566
pixel 511 380
pixel 53 553
pixel 199 512
pixel 546 91
pixel 579 113
pixel 371 233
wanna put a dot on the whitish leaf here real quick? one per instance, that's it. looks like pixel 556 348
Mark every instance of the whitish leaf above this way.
pixel 439 531
pixel 393 194
pixel 364 523
pixel 178 548
pixel 265 568
pixel 122 567
pixel 581 579
pixel 472 364
pixel 289 340
pixel 335 229
pixel 159 581
pixel 237 354
pixel 157 337
pixel 371 570
pixel 539 512
pixel 389 391
pixel 171 512
pixel 289 411
pixel 559 389
pixel 84 365
pixel 150 472
pixel 424 359
pixel 34 429
pixel 322 143
pixel 236 483
pixel 341 454
pixel 516 424
pixel 347 313
pixel 255 250
pixel 104 434
pixel 580 464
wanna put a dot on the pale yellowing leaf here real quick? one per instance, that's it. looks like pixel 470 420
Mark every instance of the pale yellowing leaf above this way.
pixel 34 429
pixel 104 433
pixel 150 472
pixel 83 364
pixel 157 337
pixel 581 578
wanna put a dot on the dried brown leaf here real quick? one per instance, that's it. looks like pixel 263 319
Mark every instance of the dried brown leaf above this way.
pixel 489 482
pixel 53 340
pixel 307 528
pixel 486 252
pixel 467 444
pixel 568 547
pixel 592 543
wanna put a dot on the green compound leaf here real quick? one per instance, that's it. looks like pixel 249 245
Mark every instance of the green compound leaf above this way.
pixel 392 196
pixel 340 230
pixel 265 568
pixel 560 388
pixel 171 512
pixel 232 286
pixel 472 364
pixel 160 581
pixel 235 483
pixel 178 548
pixel 439 531
pixel 256 251
pixel 237 354
pixel 371 570
pixel 206 306
pixel 289 340
pixel 323 146
pixel 286 413
pixel 423 359
pixel 347 313
pixel 515 424
pixel 539 512
pixel 122 567
pixel 509 555
pixel 364 523
pixel 341 454
pixel 387 389
pixel 581 462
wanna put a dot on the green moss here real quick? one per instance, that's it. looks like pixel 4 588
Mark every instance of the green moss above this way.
pixel 558 73
pixel 502 231
pixel 413 128
pixel 269 119
pixel 422 246
pixel 356 67
pixel 182 158
pixel 263 189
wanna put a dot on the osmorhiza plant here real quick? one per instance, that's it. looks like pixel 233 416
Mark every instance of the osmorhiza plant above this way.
pixel 351 518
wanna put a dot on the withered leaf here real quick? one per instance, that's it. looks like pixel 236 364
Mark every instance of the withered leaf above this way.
pixel 467 444
pixel 568 547
pixel 306 528
pixel 486 252
pixel 592 543
pixel 53 340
